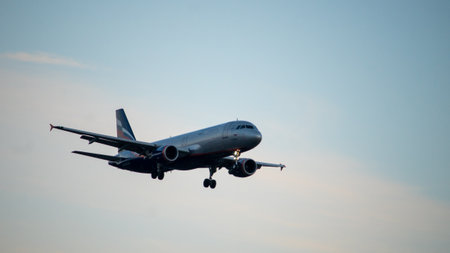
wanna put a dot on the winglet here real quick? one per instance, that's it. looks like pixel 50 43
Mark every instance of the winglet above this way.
pixel 282 166
pixel 51 127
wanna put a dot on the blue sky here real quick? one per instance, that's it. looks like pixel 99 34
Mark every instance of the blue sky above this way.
pixel 352 96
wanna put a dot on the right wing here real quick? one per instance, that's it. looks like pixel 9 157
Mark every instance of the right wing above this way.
pixel 143 148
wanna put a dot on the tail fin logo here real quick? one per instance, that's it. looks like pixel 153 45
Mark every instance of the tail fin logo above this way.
pixel 123 132
pixel 123 126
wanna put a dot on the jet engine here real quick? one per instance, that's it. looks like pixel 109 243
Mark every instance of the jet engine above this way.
pixel 245 167
pixel 168 153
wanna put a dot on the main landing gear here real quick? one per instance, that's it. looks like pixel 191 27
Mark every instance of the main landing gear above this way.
pixel 159 173
pixel 209 182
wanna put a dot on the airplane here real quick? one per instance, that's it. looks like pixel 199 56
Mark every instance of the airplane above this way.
pixel 215 147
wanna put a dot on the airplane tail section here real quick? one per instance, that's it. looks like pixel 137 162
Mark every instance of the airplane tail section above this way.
pixel 124 131
pixel 123 126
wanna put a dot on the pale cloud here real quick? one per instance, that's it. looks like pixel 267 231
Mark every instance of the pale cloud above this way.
pixel 44 58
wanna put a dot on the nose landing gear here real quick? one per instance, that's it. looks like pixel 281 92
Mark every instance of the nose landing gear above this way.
pixel 236 154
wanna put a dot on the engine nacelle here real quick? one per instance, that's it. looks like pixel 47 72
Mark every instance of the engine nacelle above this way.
pixel 167 153
pixel 245 167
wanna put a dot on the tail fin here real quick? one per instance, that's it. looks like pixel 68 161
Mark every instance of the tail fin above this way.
pixel 124 131
pixel 123 126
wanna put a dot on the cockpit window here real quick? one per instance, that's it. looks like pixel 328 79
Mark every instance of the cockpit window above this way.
pixel 245 126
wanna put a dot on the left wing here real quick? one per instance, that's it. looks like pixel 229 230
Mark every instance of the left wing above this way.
pixel 229 162
pixel 261 164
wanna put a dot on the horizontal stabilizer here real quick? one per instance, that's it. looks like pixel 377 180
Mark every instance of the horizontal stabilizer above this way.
pixel 100 156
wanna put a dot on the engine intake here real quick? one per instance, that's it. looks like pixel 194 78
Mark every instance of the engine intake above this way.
pixel 168 153
pixel 245 168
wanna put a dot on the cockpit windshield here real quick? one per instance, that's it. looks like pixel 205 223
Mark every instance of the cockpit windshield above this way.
pixel 244 126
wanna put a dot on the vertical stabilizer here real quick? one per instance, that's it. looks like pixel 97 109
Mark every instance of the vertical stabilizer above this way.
pixel 123 126
pixel 124 131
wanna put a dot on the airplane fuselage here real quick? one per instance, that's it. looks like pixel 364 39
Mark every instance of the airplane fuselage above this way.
pixel 204 146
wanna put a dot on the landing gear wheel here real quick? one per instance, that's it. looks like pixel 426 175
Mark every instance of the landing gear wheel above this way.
pixel 161 176
pixel 206 183
pixel 209 182
pixel 154 175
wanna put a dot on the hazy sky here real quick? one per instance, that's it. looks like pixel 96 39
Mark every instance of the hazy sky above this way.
pixel 353 97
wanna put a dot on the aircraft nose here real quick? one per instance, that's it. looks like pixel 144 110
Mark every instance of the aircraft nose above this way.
pixel 257 137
